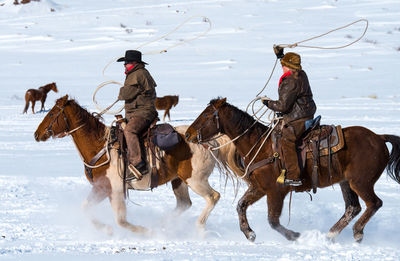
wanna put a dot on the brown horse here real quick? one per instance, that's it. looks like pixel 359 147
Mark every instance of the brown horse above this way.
pixel 166 103
pixel 33 95
pixel 362 162
pixel 187 164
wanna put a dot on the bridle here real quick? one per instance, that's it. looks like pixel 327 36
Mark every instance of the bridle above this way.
pixel 198 131
pixel 49 131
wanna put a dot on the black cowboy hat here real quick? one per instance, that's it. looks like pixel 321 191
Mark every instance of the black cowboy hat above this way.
pixel 132 56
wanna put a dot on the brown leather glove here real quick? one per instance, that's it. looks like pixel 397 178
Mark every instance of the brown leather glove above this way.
pixel 278 50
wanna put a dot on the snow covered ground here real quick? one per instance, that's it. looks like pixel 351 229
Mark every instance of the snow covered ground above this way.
pixel 70 42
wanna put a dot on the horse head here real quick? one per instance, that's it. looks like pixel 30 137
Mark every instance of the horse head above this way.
pixel 207 124
pixel 175 100
pixel 54 123
pixel 54 87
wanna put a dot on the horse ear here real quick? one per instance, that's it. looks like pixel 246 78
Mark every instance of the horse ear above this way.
pixel 220 102
pixel 63 100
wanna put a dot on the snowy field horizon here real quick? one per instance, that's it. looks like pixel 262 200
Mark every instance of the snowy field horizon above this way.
pixel 71 42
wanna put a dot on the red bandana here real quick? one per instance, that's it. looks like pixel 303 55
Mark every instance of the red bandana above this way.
pixel 130 68
pixel 283 76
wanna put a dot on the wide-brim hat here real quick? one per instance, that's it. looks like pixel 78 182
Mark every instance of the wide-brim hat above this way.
pixel 292 61
pixel 132 56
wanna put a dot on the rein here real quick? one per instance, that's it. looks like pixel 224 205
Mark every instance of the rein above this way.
pixel 69 132
pixel 274 122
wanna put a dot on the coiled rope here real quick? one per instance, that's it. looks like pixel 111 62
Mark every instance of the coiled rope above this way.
pixel 204 19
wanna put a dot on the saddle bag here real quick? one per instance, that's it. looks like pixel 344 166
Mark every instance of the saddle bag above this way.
pixel 165 136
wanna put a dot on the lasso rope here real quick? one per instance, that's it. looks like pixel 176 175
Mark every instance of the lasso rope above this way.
pixel 106 110
pixel 205 19
pixel 272 121
pixel 298 44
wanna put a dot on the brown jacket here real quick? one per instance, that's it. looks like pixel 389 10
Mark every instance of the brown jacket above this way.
pixel 139 93
pixel 295 98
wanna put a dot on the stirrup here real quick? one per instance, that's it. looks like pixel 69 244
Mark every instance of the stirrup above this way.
pixel 287 182
pixel 135 172
pixel 293 182
pixel 281 178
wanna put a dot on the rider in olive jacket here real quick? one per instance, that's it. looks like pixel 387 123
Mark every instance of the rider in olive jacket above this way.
pixel 139 94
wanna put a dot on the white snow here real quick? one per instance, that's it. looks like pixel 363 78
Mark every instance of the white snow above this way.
pixel 42 185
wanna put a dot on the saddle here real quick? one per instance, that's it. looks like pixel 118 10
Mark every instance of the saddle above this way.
pixel 154 141
pixel 319 141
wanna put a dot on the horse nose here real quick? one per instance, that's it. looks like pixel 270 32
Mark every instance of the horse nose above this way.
pixel 36 136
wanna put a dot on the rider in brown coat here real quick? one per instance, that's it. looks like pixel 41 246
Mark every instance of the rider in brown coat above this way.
pixel 296 105
pixel 139 94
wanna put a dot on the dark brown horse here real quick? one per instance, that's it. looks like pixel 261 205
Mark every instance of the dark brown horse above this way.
pixel 362 162
pixel 33 95
pixel 187 165
pixel 166 103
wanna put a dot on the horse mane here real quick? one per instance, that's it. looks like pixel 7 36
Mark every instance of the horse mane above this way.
pixel 93 124
pixel 241 119
pixel 47 87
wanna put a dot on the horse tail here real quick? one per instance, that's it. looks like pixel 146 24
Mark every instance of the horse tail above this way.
pixel 393 167
pixel 27 95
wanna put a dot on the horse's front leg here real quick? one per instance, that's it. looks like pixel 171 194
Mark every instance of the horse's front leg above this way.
pixel 250 196
pixel 96 196
pixel 275 204
pixel 33 106
pixel 118 205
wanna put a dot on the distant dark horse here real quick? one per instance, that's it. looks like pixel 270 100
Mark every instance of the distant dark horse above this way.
pixel 166 103
pixel 361 163
pixel 33 95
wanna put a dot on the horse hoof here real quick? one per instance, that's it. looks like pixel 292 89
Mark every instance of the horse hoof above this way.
pixel 109 230
pixel 295 236
pixel 251 236
pixel 358 237
pixel 331 236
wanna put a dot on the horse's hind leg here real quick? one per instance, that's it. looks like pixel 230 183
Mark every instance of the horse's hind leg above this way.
pixel 352 208
pixel 181 192
pixel 372 202
pixel 275 201
pixel 203 188
pixel 95 197
pixel 250 196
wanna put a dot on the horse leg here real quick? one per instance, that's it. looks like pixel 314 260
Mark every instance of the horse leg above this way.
pixel 33 106
pixel 118 205
pixel 249 197
pixel 372 202
pixel 43 99
pixel 201 186
pixel 181 192
pixel 275 204
pixel 95 196
pixel 169 118
pixel 165 114
pixel 352 208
